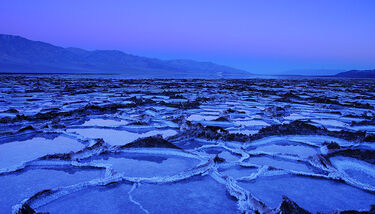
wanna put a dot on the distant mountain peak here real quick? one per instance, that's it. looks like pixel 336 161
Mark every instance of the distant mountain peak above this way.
pixel 357 74
pixel 18 54
pixel 7 36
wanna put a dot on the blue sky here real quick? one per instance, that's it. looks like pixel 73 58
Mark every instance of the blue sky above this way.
pixel 259 36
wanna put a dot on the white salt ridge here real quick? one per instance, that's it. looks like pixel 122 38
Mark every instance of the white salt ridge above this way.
pixel 296 150
pixel 294 116
pixel 314 140
pixel 17 153
pixel 146 167
pixel 251 123
pixel 120 137
pixel 105 122
pixel 243 131
pixel 5 114
pixel 199 117
pixel 327 122
pixel 223 124
pixel 360 171
pixel 32 181
pixel 117 178
pixel 279 164
pixel 367 128
pixel 327 195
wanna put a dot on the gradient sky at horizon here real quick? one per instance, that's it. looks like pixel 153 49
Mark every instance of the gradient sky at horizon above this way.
pixel 259 36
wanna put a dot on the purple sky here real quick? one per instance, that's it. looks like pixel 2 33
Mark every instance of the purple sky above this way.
pixel 256 35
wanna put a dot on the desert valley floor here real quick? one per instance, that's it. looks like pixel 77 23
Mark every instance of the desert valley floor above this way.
pixel 94 145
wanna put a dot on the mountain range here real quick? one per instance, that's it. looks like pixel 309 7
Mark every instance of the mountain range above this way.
pixel 21 55
pixel 357 74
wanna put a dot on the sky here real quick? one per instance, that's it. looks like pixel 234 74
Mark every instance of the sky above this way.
pixel 264 37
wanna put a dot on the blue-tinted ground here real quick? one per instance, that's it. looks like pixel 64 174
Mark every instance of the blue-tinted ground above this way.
pixel 103 145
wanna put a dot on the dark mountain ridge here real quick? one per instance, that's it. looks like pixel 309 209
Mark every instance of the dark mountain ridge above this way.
pixel 357 74
pixel 18 54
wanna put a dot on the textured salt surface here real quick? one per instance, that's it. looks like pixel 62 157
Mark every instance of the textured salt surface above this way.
pixel 238 144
